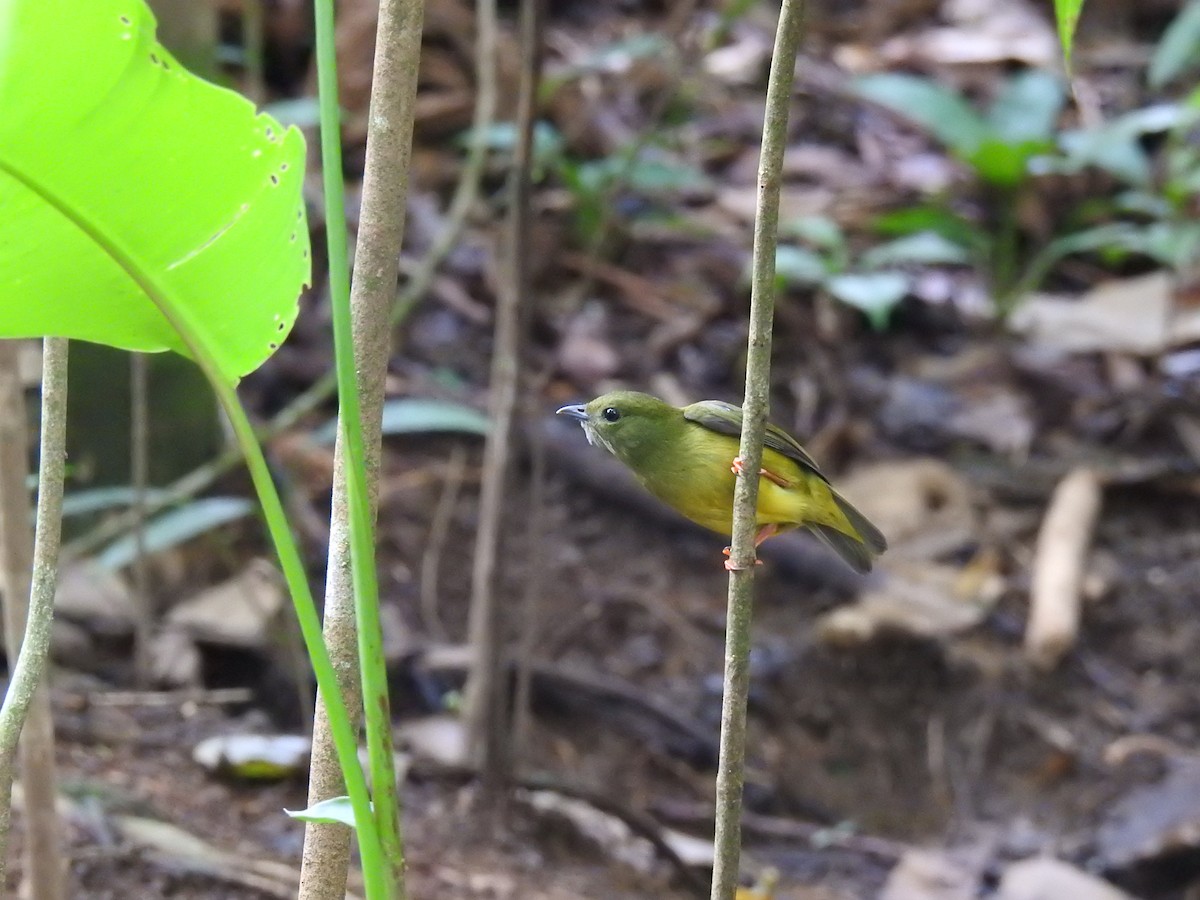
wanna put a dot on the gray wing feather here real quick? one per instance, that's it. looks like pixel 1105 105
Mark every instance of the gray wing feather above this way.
pixel 726 418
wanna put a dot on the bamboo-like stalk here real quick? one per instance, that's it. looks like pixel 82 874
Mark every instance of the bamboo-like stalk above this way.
pixel 731 768
pixel 30 577
pixel 376 266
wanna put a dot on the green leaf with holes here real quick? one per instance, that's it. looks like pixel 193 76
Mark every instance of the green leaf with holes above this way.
pixel 123 176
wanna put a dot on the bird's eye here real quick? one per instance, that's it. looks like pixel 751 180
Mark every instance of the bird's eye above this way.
pixel 611 414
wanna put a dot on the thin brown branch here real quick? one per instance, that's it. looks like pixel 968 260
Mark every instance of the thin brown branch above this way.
pixel 438 531
pixel 485 712
pixel 139 472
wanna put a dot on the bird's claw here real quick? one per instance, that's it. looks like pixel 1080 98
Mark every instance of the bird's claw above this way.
pixel 739 466
pixel 729 564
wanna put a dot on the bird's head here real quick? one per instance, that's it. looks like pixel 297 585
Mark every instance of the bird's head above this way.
pixel 626 423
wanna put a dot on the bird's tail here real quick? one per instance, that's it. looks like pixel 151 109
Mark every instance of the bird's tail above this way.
pixel 855 540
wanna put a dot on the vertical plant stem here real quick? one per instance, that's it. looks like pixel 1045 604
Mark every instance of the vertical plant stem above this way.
pixel 532 15
pixel 731 768
pixel 30 576
pixel 485 706
pixel 139 462
pixel 361 329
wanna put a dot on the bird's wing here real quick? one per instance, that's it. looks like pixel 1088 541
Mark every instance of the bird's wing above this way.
pixel 727 419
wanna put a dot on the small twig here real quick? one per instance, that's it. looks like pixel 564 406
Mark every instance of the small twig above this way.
pixel 1062 546
pixel 792 830
pixel 30 577
pixel 485 714
pixel 214 697
pixel 557 681
pixel 641 824
pixel 731 769
pixel 443 514
pixel 532 16
pixel 139 466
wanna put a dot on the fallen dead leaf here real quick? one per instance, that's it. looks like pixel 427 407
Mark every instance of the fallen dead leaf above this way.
pixel 1129 315
pixel 239 612
pixel 926 875
pixel 918 598
pixel 979 32
pixel 1046 878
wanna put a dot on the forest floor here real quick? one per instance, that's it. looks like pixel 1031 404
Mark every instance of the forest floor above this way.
pixel 902 743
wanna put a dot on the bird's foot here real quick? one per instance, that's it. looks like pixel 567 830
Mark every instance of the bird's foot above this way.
pixel 730 567
pixel 739 466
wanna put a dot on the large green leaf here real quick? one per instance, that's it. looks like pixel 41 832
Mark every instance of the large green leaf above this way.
pixel 119 169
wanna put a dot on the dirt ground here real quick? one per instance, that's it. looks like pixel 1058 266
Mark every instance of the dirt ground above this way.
pixel 901 743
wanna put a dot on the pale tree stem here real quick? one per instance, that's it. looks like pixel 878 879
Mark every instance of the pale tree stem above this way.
pixel 30 575
pixel 485 709
pixel 519 224
pixel 373 290
pixel 731 768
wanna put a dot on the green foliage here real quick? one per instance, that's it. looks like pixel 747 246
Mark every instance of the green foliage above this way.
pixel 1178 53
pixel 146 209
pixel 114 159
pixel 416 415
pixel 101 499
pixel 642 171
pixel 998 146
pixel 176 526
pixel 1066 12
pixel 1153 215
pixel 1001 148
pixel 876 282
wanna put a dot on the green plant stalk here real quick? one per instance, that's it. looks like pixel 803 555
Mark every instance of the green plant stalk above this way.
pixel 277 524
pixel 1005 282
pixel 372 667
pixel 732 763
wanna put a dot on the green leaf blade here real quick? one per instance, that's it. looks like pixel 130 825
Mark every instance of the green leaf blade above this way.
pixel 176 526
pixel 936 109
pixel 112 158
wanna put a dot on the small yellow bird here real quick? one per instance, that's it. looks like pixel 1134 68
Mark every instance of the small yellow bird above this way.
pixel 688 459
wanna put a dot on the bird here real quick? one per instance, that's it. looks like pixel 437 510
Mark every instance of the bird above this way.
pixel 687 457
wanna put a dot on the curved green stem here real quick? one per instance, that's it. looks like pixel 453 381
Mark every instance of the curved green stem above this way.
pixel 285 546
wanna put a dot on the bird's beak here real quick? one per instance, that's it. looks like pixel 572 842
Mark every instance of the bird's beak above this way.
pixel 575 412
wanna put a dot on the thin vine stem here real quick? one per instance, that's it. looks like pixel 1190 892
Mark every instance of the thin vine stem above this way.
pixel 731 767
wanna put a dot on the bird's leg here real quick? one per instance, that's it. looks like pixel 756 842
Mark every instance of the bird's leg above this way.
pixel 738 467
pixel 763 533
